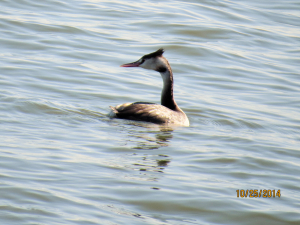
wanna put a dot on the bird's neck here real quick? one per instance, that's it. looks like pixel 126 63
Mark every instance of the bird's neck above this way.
pixel 167 98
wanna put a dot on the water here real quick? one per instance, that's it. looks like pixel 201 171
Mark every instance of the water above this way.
pixel 236 68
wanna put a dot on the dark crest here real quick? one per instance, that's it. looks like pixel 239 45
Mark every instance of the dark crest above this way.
pixel 158 53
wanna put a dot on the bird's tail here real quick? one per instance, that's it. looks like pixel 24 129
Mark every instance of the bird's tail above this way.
pixel 113 112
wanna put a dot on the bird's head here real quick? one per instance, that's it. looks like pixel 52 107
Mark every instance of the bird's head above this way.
pixel 153 61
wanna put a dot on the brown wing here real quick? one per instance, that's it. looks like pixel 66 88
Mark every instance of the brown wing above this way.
pixel 143 111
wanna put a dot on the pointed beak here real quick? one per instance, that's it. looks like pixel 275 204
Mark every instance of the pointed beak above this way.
pixel 134 64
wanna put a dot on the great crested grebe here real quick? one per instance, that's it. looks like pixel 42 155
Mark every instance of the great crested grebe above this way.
pixel 166 113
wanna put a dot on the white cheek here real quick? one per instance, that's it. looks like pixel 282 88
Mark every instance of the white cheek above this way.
pixel 160 62
pixel 149 64
pixel 153 64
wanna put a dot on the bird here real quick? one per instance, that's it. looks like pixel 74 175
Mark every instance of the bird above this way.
pixel 168 112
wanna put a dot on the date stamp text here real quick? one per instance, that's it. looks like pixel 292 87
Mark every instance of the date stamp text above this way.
pixel 258 193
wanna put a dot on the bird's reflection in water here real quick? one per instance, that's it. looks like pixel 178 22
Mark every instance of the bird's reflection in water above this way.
pixel 152 163
pixel 153 137
pixel 144 137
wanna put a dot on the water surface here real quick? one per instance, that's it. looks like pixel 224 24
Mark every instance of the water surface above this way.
pixel 236 70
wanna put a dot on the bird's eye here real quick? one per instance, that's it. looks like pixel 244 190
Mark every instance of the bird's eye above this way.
pixel 143 60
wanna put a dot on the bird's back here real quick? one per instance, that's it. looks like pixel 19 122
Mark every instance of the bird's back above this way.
pixel 149 112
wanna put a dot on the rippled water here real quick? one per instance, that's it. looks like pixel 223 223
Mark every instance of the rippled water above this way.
pixel 236 66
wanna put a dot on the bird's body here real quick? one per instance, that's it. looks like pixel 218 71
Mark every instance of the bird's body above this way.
pixel 166 113
pixel 149 112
